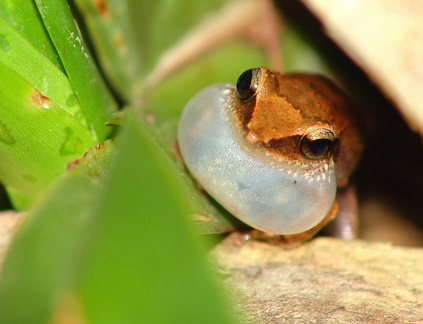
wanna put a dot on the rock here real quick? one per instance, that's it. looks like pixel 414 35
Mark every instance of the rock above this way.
pixel 326 280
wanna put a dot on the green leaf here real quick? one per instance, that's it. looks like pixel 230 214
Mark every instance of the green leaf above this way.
pixel 144 264
pixel 43 259
pixel 114 40
pixel 95 162
pixel 19 55
pixel 37 138
pixel 24 17
pixel 94 97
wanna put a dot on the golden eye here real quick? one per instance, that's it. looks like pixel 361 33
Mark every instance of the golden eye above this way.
pixel 318 143
pixel 247 83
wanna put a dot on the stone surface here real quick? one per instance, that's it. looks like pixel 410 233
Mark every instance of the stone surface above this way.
pixel 324 281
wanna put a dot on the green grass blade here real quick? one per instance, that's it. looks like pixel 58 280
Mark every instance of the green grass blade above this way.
pixel 143 264
pixel 94 97
pixel 19 55
pixel 37 137
pixel 114 40
pixel 24 17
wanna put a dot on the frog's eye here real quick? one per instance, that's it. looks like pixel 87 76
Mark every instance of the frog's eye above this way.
pixel 318 143
pixel 247 83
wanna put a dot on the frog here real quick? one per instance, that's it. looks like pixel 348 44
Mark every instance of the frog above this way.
pixel 275 150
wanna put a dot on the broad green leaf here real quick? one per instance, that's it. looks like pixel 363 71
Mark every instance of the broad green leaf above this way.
pixel 143 263
pixel 18 54
pixel 37 138
pixel 24 17
pixel 43 259
pixel 94 97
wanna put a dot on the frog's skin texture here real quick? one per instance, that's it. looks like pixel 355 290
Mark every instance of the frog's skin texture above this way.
pixel 273 149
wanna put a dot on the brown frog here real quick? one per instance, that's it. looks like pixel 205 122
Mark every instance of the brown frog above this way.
pixel 273 149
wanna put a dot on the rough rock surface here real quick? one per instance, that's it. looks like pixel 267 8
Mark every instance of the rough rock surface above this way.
pixel 324 281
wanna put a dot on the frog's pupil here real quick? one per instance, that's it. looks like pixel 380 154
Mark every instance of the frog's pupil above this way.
pixel 246 85
pixel 244 80
pixel 320 147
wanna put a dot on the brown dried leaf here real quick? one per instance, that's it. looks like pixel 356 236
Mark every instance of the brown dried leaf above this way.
pixel 385 38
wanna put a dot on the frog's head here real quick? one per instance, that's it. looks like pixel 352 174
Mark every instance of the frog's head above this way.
pixel 299 118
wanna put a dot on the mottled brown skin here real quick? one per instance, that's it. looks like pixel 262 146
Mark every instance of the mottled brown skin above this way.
pixel 285 108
